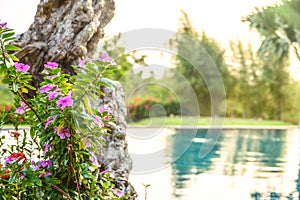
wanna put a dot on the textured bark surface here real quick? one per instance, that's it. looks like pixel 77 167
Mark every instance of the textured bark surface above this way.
pixel 114 156
pixel 65 31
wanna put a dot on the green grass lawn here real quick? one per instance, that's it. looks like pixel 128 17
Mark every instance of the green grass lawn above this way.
pixel 205 121
pixel 202 121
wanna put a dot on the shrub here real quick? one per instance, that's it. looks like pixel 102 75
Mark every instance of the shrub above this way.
pixel 139 108
pixel 54 157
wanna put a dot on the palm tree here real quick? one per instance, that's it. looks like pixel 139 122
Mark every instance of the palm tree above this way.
pixel 279 26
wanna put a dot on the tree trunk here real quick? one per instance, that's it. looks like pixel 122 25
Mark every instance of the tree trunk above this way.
pixel 65 31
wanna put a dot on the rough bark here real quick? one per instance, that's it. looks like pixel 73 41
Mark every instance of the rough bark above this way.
pixel 65 31
pixel 114 156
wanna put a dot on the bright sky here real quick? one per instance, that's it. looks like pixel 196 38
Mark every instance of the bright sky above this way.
pixel 220 19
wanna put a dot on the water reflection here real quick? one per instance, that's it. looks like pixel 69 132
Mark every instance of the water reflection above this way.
pixel 189 163
pixel 243 162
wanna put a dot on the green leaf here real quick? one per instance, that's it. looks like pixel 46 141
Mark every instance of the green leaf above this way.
pixel 15 87
pixel 24 90
pixel 88 176
pixel 7 35
pixel 56 79
pixel 87 105
pixel 9 47
pixel 36 180
pixel 29 86
pixel 8 39
pixel 56 71
pixel 99 91
pixel 12 178
pixel 6 81
pixel 60 126
pixel 14 58
pixel 106 84
pixel 82 143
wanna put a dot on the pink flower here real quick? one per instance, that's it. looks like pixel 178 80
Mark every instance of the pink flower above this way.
pixel 98 121
pixel 20 67
pixel 3 25
pixel 64 101
pixel 46 149
pixel 49 162
pixel 81 63
pixel 103 172
pixel 22 176
pixel 21 109
pixel 119 193
pixel 45 174
pixel 51 65
pixel 135 107
pixel 107 118
pixel 48 174
pixel 45 72
pixel 105 57
pixel 51 95
pixel 47 88
pixel 49 120
pixel 52 76
pixel 105 108
pixel 63 133
pixel 93 160
pixel 88 144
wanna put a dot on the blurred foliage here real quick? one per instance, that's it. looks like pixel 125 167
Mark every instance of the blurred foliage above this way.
pixel 6 95
pixel 262 87
pixel 125 60
pixel 257 83
pixel 279 27
pixel 198 57
pixel 142 108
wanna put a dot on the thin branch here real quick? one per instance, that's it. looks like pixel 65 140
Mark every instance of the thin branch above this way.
pixel 3 52
pixel 58 189
pixel 29 105
pixel 71 165
pixel 296 51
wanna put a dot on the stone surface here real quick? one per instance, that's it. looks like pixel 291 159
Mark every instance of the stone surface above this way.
pixel 114 155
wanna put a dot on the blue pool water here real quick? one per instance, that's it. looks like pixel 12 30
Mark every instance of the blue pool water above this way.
pixel 241 165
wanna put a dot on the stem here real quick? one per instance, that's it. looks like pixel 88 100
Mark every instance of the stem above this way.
pixel 29 105
pixel 3 54
pixel 22 97
pixel 296 51
pixel 71 165
pixel 59 190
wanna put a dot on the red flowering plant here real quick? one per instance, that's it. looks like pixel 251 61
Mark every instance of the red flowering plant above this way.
pixel 53 157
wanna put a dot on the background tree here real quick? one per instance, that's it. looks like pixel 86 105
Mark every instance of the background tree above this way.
pixel 210 54
pixel 261 85
pixel 280 30
pixel 279 27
